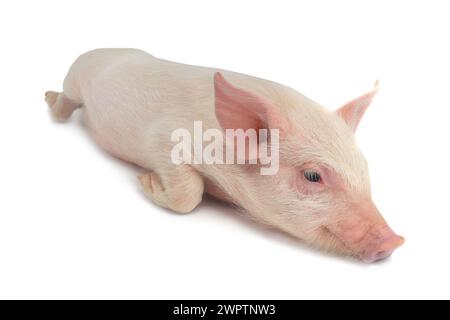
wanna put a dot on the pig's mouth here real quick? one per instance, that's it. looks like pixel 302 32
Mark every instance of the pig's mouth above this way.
pixel 337 243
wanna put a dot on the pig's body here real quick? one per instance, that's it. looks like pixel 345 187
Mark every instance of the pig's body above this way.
pixel 132 102
pixel 131 98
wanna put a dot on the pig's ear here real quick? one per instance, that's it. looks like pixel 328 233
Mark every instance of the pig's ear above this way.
pixel 240 109
pixel 354 110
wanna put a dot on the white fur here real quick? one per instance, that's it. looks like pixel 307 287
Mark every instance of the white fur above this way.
pixel 132 102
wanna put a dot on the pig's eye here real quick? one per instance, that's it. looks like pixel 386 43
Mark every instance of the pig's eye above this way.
pixel 312 176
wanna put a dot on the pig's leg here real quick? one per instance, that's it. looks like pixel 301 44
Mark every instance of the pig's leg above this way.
pixel 61 107
pixel 180 190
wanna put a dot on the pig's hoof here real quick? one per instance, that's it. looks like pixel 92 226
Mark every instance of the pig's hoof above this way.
pixel 180 196
pixel 50 98
pixel 153 189
pixel 60 106
pixel 150 182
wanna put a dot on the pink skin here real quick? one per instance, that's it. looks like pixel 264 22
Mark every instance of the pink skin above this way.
pixel 346 216
pixel 357 224
pixel 353 111
pixel 153 97
pixel 240 109
pixel 363 230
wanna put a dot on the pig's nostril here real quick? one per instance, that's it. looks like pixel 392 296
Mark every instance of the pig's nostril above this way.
pixel 382 246
pixel 379 255
pixel 383 254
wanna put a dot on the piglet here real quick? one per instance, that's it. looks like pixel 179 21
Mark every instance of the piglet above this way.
pixel 132 102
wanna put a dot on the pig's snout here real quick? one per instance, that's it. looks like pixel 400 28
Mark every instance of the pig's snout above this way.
pixel 380 244
pixel 364 232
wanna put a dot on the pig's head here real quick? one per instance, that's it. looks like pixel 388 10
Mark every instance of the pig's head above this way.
pixel 321 192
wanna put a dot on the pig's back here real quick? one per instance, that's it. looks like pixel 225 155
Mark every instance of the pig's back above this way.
pixel 128 92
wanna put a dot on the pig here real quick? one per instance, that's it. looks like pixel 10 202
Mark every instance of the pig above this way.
pixel 131 101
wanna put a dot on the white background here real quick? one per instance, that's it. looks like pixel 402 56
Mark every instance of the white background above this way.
pixel 74 223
